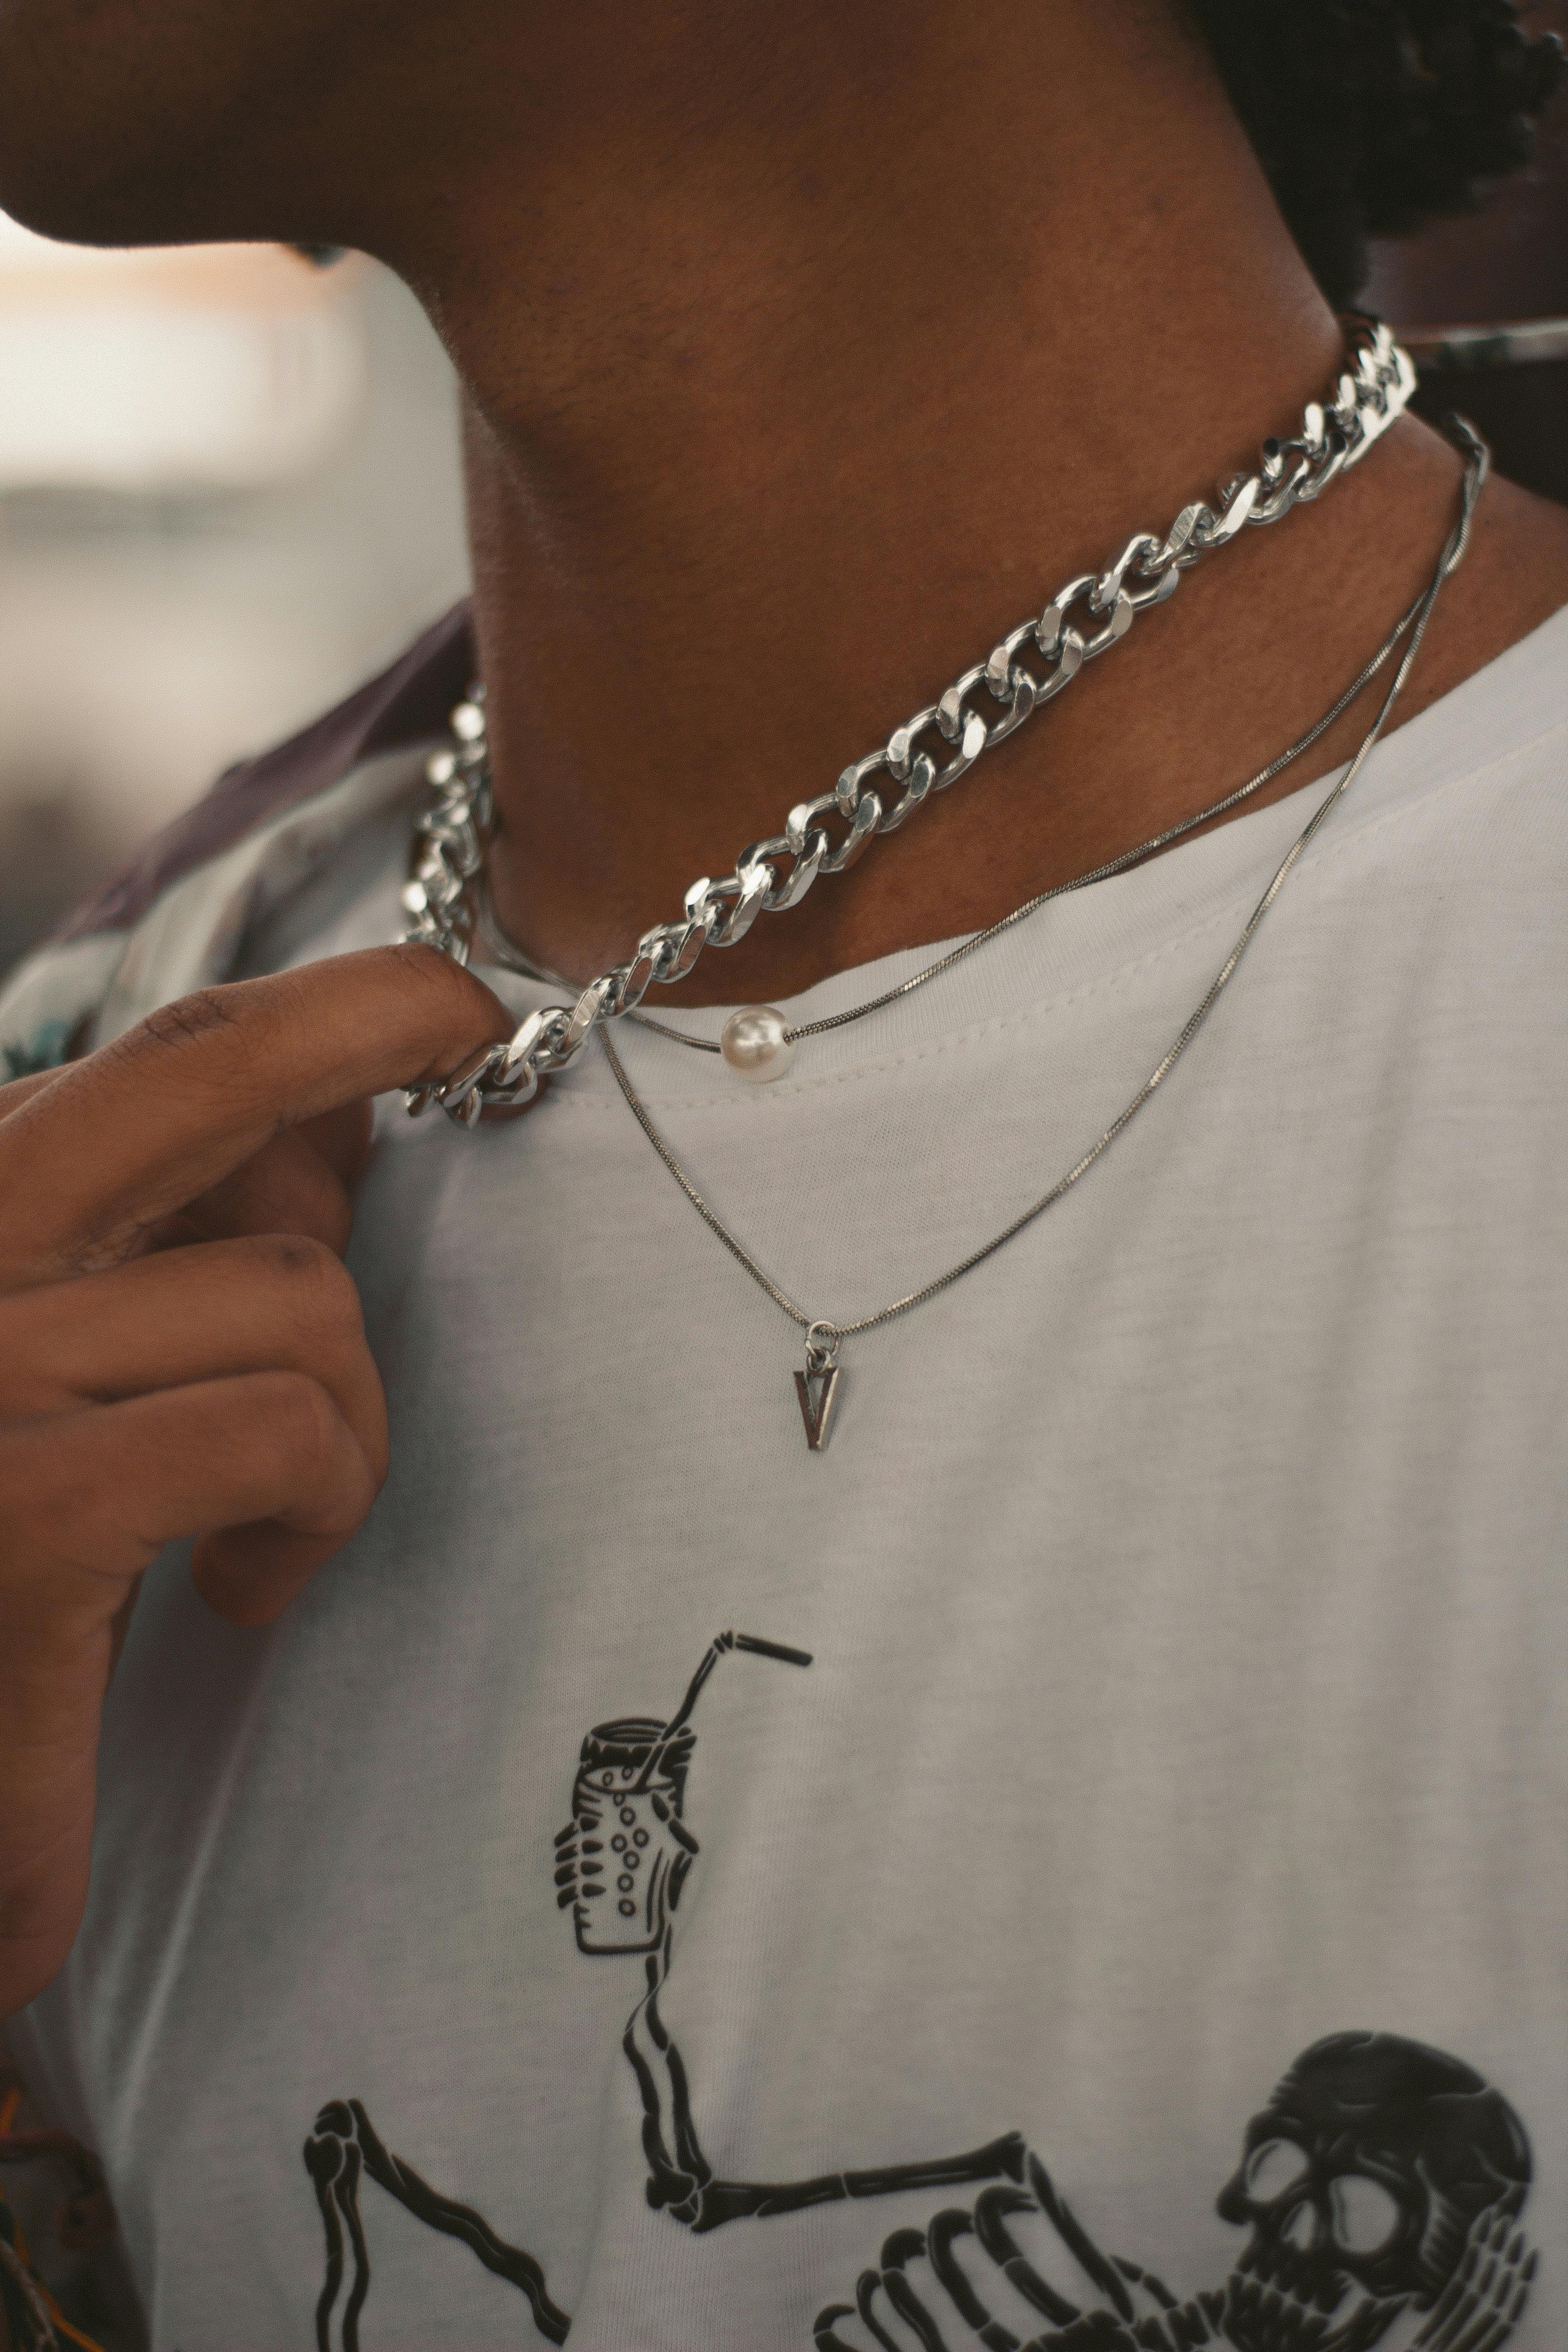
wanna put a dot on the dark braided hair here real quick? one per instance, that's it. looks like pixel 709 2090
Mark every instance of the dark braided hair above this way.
pixel 1371 116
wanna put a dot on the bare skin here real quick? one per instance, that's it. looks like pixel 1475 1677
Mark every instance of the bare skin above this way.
pixel 182 1354
pixel 806 350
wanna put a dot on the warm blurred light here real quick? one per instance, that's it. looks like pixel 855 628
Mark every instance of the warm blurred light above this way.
pixel 128 399
pixel 189 368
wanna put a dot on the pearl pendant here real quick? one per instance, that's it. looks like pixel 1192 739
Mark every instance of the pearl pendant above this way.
pixel 754 1044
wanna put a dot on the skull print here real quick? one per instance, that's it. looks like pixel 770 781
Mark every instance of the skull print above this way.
pixel 1380 2189
pixel 1360 2182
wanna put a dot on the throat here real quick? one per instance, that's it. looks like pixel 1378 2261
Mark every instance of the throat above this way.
pixel 772 431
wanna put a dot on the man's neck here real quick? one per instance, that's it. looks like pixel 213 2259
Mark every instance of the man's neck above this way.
pixel 798 373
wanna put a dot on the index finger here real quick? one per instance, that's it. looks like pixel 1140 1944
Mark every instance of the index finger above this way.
pixel 121 1139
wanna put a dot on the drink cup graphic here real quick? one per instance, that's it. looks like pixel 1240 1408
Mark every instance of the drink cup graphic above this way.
pixel 622 1857
pixel 625 1834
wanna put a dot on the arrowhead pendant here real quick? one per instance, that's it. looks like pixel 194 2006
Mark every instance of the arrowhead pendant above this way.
pixel 818 1393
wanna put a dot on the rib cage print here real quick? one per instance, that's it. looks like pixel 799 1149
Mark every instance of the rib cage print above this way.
pixel 1379 2190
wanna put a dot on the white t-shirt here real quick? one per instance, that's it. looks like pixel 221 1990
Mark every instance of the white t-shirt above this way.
pixel 1157 1872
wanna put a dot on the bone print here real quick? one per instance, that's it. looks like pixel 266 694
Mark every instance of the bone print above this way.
pixel 1380 2186
pixel 920 2295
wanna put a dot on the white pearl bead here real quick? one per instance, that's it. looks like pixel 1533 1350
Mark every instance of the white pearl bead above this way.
pixel 754 1044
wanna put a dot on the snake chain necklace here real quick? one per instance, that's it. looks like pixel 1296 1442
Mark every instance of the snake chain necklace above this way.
pixel 825 835
pixel 447 903
pixel 757 1041
pixel 817 1387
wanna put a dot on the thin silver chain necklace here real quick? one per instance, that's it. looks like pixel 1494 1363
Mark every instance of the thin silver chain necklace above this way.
pixel 767 1050
pixel 816 1388
pixel 1087 616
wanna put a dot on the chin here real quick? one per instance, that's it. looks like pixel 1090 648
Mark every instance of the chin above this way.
pixel 54 207
pixel 117 121
pixel 65 179
pixel 63 209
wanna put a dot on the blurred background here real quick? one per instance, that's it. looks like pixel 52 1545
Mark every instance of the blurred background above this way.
pixel 229 491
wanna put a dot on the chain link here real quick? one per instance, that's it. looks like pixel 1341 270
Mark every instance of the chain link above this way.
pixel 824 1338
pixel 876 794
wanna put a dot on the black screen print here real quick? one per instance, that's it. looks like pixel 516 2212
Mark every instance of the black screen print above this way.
pixel 1379 2190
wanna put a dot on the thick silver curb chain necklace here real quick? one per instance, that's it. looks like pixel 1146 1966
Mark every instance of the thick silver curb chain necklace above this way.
pixel 816 1388
pixel 1032 664
pixel 497 948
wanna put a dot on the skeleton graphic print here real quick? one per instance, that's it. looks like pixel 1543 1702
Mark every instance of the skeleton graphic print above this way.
pixel 1378 2194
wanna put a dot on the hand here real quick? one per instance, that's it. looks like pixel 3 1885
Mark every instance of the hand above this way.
pixel 1484 2300
pixel 182 1351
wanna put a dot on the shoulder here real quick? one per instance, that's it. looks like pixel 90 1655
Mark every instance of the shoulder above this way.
pixel 175 919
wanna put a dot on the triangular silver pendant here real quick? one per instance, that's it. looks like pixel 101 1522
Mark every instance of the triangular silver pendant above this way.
pixel 818 1393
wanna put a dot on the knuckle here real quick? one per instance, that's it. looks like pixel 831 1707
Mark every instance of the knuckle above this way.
pixel 329 1461
pixel 186 1022
pixel 298 1259
pixel 181 1036
pixel 303 1416
pixel 322 1294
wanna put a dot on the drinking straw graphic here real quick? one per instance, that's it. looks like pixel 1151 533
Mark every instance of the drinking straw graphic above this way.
pixel 715 1651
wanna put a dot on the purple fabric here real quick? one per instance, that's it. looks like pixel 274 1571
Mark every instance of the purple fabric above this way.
pixel 407 701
